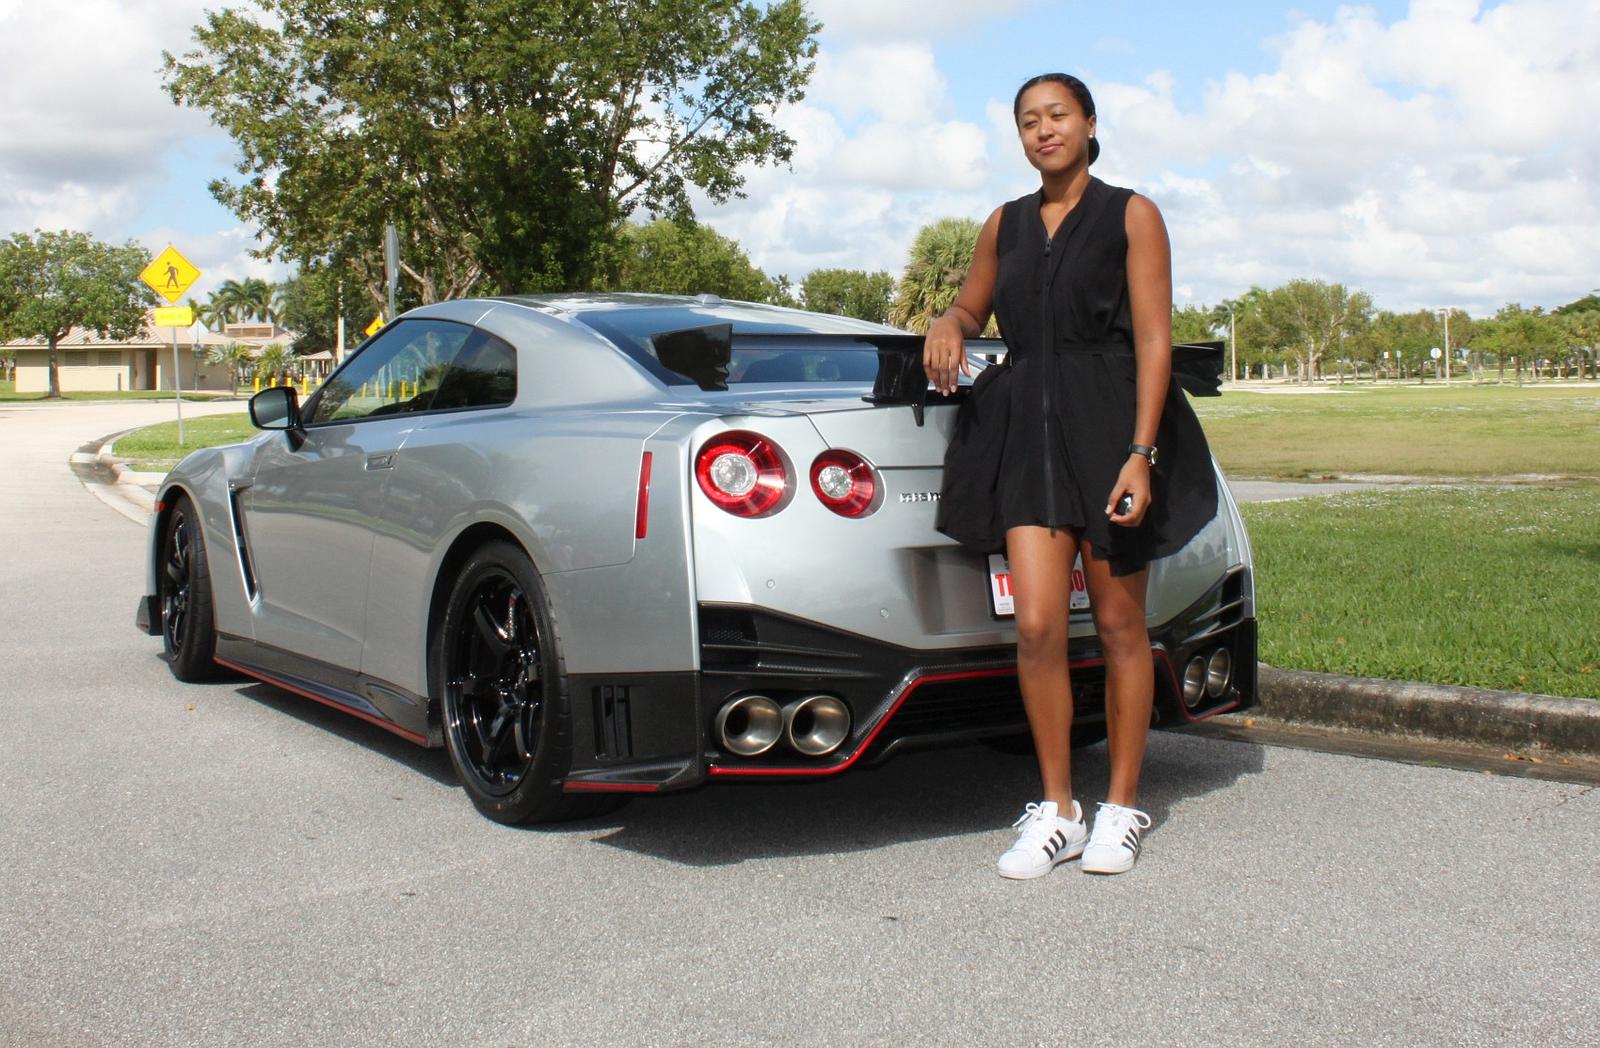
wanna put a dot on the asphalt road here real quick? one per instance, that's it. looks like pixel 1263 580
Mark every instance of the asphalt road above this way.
pixel 228 864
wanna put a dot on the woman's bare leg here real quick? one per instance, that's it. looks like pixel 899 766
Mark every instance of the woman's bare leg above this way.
pixel 1118 606
pixel 1041 582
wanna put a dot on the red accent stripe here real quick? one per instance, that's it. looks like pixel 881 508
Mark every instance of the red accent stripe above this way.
pixel 608 787
pixel 717 769
pixel 641 519
pixel 420 740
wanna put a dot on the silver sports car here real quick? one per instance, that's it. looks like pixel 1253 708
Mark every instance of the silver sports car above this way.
pixel 604 545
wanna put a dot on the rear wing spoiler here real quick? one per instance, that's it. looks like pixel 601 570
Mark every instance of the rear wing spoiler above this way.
pixel 704 353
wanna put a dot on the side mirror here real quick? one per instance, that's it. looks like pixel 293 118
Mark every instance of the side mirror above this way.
pixel 277 407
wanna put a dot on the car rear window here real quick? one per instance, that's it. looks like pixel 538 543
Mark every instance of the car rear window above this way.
pixel 825 360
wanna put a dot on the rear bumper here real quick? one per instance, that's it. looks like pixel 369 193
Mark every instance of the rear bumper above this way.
pixel 648 734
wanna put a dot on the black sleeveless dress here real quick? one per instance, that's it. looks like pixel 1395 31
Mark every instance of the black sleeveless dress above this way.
pixel 1042 438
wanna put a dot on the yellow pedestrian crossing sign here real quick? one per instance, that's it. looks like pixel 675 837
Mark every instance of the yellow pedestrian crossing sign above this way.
pixel 170 274
pixel 376 325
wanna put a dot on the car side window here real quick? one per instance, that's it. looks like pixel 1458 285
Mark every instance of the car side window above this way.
pixel 400 371
pixel 483 375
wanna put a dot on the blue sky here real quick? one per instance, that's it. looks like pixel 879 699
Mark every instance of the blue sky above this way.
pixel 1430 152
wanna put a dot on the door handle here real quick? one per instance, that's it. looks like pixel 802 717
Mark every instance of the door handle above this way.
pixel 385 461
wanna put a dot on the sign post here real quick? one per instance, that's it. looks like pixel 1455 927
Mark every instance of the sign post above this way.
pixel 169 275
pixel 391 261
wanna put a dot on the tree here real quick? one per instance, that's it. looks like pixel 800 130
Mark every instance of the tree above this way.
pixel 1587 304
pixel 241 300
pixel 1516 332
pixel 1405 337
pixel 276 362
pixel 1310 317
pixel 238 358
pixel 936 267
pixel 506 139
pixel 310 303
pixel 1583 333
pixel 205 313
pixel 1195 323
pixel 849 293
pixel 51 282
pixel 683 258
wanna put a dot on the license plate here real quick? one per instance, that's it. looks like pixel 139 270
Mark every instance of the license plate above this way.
pixel 1000 587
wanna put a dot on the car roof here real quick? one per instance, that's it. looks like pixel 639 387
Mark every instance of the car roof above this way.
pixel 571 304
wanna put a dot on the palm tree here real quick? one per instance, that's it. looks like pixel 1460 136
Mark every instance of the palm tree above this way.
pixel 205 313
pixel 257 298
pixel 940 256
pixel 236 355
pixel 276 362
pixel 279 304
pixel 228 301
pixel 247 299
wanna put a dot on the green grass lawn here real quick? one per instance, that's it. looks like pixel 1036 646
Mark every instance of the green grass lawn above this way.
pixel 155 449
pixel 8 393
pixel 1432 431
pixel 1488 586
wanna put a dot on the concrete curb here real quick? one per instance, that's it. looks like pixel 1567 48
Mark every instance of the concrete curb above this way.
pixel 124 473
pixel 1518 722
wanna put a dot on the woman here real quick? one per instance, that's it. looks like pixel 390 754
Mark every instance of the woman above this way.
pixel 1056 453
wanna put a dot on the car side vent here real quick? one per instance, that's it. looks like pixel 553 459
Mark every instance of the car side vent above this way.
pixel 242 544
pixel 613 723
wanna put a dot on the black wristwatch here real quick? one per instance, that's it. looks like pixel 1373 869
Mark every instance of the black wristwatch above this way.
pixel 1147 450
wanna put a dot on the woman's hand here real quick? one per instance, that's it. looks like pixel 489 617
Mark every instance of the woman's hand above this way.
pixel 1133 480
pixel 944 354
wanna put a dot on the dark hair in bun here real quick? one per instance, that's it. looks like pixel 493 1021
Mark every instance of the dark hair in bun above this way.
pixel 1072 84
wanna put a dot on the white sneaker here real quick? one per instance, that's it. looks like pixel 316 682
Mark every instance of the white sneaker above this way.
pixel 1114 844
pixel 1044 839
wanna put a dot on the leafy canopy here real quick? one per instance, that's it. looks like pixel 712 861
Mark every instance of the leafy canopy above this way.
pixel 682 258
pixel 51 282
pixel 849 293
pixel 506 139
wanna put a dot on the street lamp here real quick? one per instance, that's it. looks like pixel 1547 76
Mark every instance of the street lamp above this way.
pixel 1445 312
pixel 1233 350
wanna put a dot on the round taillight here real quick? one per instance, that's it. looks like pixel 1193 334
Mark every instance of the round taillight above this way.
pixel 742 472
pixel 844 482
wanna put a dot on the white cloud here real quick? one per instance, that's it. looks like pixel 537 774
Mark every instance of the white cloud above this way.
pixel 1449 156
pixel 877 155
pixel 83 121
pixel 898 79
pixel 905 19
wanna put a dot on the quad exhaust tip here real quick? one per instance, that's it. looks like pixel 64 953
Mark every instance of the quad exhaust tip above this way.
pixel 813 726
pixel 1207 677
pixel 749 725
pixel 816 725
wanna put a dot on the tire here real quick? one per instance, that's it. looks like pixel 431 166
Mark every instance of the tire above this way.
pixel 183 583
pixel 502 687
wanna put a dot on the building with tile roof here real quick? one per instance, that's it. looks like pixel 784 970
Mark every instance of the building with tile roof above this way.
pixel 90 363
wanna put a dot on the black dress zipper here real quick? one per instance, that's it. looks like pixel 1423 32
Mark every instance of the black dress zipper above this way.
pixel 1048 380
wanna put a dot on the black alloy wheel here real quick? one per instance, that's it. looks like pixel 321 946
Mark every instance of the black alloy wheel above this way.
pixel 188 629
pixel 503 692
